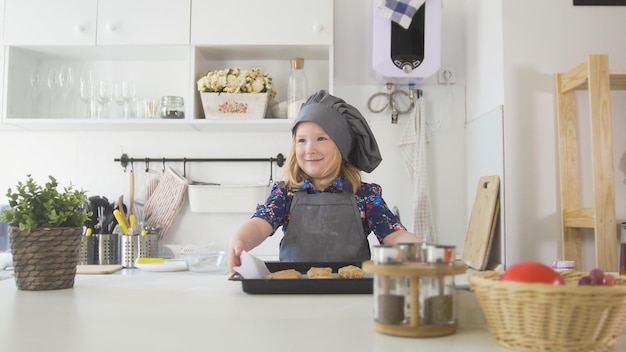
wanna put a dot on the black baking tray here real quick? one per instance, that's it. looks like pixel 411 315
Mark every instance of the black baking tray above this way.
pixel 304 285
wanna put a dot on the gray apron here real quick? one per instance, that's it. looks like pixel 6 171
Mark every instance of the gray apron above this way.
pixel 324 227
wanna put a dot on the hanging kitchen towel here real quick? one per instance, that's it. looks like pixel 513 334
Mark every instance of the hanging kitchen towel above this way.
pixel 408 146
pixel 151 181
pixel 413 151
pixel 400 11
pixel 165 202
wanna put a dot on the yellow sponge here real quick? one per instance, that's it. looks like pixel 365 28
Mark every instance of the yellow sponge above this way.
pixel 149 260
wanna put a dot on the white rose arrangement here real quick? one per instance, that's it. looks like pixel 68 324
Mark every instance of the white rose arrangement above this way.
pixel 234 80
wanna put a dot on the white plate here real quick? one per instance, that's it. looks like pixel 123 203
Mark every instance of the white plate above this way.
pixel 168 265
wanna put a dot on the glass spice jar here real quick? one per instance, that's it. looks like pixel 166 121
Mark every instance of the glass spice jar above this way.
pixel 437 293
pixel 391 292
pixel 172 107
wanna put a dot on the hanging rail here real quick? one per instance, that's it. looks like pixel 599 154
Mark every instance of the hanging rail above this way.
pixel 124 160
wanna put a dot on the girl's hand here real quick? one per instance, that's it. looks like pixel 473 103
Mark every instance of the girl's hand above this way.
pixel 234 255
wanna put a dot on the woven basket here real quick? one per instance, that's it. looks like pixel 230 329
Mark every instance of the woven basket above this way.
pixel 45 259
pixel 541 317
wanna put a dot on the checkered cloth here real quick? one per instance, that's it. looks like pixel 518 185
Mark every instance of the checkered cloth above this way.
pixel 400 11
pixel 165 201
pixel 412 147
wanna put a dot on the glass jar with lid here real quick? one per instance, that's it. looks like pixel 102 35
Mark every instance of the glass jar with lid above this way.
pixel 437 292
pixel 172 107
pixel 391 292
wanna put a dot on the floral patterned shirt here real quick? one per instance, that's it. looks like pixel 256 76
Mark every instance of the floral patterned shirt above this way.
pixel 376 215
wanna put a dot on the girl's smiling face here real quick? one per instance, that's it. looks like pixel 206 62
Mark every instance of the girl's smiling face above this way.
pixel 316 154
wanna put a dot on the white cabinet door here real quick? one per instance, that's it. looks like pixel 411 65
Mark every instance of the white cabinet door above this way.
pixel 267 22
pixel 143 22
pixel 2 19
pixel 45 22
pixel 2 54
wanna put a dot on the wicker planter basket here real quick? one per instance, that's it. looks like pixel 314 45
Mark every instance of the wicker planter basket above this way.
pixel 45 259
pixel 540 317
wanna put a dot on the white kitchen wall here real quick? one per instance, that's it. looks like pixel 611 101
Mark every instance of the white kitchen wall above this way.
pixel 86 157
pixel 445 103
pixel 539 39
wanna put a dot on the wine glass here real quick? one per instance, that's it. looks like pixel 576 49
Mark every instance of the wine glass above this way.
pixel 52 84
pixel 124 93
pixel 35 86
pixel 66 81
pixel 104 97
pixel 85 87
pixel 128 94
pixel 118 97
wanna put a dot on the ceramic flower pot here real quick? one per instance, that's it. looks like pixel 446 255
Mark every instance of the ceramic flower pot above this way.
pixel 45 258
pixel 234 106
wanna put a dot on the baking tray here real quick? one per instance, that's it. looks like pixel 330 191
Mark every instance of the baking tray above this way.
pixel 304 285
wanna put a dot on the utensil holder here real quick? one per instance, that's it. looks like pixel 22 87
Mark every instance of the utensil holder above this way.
pixel 88 251
pixel 107 248
pixel 129 250
pixel 149 246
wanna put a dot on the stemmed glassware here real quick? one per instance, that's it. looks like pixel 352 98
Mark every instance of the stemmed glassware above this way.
pixel 104 95
pixel 118 97
pixel 128 93
pixel 85 88
pixel 66 82
pixel 35 86
pixel 124 93
pixel 52 84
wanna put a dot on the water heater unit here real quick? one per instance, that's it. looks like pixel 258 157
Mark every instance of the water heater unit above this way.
pixel 408 55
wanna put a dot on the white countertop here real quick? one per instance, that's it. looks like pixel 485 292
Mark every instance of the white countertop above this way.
pixel 184 311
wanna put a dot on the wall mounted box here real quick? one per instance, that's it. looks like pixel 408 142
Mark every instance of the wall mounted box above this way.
pixel 226 198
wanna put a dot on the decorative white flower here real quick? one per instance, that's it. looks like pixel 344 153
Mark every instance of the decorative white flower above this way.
pixel 234 80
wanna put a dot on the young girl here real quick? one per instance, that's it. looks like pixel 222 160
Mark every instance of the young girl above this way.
pixel 326 212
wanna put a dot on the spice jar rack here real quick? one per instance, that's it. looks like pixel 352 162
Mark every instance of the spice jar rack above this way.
pixel 426 315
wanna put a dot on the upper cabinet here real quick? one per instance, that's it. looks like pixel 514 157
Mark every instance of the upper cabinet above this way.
pixel 1 56
pixel 1 19
pixel 267 22
pixel 161 22
pixel 161 47
pixel 93 22
pixel 59 22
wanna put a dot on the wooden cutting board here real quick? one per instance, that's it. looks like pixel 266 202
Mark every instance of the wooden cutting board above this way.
pixel 482 223
pixel 97 269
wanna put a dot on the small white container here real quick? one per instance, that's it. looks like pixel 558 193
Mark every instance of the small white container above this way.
pixel 226 198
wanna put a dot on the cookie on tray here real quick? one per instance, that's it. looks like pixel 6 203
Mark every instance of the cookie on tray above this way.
pixel 351 272
pixel 320 273
pixel 285 274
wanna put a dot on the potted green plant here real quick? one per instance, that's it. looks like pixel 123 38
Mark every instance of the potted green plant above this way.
pixel 46 226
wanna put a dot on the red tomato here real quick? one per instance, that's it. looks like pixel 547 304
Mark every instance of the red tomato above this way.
pixel 532 272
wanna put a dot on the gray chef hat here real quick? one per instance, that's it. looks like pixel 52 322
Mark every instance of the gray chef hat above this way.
pixel 345 125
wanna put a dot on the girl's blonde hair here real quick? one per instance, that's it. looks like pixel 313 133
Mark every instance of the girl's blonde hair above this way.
pixel 294 176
